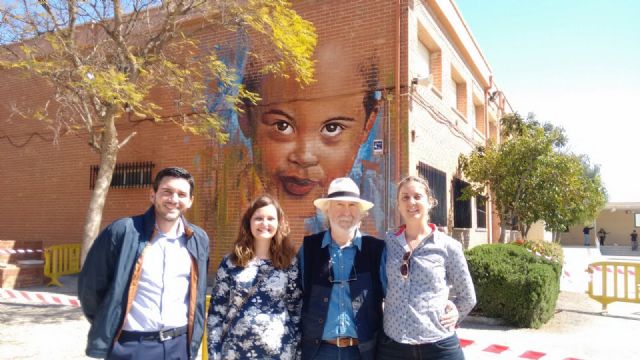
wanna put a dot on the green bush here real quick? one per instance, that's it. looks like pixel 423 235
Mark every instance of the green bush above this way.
pixel 514 284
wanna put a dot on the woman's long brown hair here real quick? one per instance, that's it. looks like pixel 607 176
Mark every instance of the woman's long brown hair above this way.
pixel 281 250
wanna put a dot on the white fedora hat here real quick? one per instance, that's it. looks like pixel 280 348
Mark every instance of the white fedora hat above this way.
pixel 343 189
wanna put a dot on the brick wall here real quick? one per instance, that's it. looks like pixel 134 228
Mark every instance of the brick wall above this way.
pixel 356 56
pixel 21 264
pixel 50 183
pixel 12 251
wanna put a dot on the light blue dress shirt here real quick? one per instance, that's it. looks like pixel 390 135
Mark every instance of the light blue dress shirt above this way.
pixel 162 299
pixel 340 321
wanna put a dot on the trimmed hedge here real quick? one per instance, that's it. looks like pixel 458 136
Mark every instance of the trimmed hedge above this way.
pixel 514 284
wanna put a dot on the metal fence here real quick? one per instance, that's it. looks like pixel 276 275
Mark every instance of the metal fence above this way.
pixel 438 182
pixel 612 281
pixel 126 175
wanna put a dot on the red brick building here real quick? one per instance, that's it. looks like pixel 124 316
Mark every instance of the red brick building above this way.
pixel 402 89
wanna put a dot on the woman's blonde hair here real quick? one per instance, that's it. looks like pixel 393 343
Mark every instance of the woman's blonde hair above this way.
pixel 281 249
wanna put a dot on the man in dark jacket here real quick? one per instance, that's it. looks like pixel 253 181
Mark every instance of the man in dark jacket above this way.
pixel 342 280
pixel 585 232
pixel 143 284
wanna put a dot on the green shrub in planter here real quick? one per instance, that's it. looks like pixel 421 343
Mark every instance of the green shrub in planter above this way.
pixel 514 284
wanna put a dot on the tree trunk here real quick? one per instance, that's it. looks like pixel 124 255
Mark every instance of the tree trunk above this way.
pixel 557 236
pixel 505 224
pixel 108 156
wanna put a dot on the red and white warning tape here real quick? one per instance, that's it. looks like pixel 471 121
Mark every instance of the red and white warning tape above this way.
pixel 39 297
pixel 478 350
pixel 609 270
pixel 566 275
pixel 19 251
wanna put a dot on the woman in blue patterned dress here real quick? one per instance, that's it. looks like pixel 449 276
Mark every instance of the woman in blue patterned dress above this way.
pixel 422 266
pixel 255 302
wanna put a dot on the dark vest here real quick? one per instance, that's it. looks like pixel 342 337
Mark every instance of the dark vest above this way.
pixel 366 294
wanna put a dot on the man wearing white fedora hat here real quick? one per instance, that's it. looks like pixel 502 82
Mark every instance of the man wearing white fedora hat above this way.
pixel 344 281
pixel 341 278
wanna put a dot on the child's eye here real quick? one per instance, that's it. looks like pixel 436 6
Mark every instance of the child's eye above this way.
pixel 332 129
pixel 283 127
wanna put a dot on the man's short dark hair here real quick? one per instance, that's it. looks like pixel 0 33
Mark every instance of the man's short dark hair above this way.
pixel 176 172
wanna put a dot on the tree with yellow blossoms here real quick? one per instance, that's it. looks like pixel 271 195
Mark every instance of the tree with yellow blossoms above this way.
pixel 101 59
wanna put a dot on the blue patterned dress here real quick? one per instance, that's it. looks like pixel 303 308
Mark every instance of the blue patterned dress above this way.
pixel 266 326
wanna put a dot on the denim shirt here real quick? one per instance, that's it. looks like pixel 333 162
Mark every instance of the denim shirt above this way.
pixel 339 322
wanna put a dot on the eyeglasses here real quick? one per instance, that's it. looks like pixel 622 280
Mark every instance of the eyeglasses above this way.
pixel 352 274
pixel 404 267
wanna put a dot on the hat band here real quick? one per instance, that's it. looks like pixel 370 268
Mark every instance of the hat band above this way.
pixel 343 193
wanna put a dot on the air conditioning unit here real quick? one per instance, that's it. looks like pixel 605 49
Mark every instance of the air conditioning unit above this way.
pixel 425 81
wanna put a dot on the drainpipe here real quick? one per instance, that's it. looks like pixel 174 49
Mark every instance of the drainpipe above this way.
pixel 397 91
pixel 487 137
pixel 397 99
pixel 388 160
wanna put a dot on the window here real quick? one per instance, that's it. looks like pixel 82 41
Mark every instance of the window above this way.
pixel 423 60
pixel 461 208
pixel 453 92
pixel 430 58
pixel 477 114
pixel 472 112
pixel 126 175
pixel 481 212
pixel 458 92
pixel 438 182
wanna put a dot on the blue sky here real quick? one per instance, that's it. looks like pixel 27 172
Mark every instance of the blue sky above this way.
pixel 575 64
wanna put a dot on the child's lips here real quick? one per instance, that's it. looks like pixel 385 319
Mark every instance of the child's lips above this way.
pixel 297 186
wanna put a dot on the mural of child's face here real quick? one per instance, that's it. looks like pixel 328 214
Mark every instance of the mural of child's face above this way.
pixel 304 138
pixel 303 145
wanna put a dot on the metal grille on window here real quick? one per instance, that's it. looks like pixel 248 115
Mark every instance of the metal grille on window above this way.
pixel 461 208
pixel 126 175
pixel 438 182
pixel 481 211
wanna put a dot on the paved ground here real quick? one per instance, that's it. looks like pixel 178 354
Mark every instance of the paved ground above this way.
pixel 578 330
pixel 29 331
pixel 41 332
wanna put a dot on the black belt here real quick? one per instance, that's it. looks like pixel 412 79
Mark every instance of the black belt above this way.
pixel 162 335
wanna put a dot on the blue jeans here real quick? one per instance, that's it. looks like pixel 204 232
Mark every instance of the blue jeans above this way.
pixel 586 239
pixel 445 349
pixel 332 352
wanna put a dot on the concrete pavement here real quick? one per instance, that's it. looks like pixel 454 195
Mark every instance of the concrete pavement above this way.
pixel 39 331
pixel 577 331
